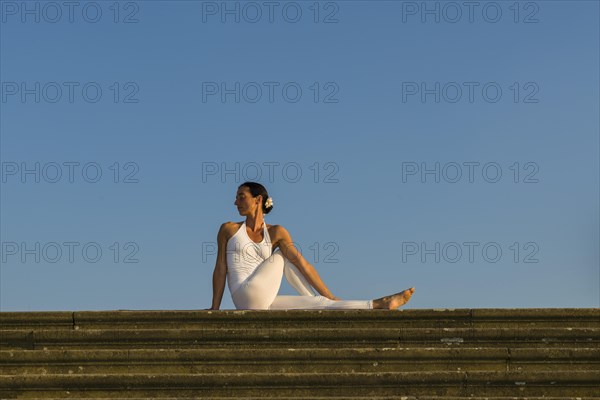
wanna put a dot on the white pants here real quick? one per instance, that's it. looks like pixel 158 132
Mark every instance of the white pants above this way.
pixel 259 290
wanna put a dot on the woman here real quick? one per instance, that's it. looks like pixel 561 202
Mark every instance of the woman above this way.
pixel 253 256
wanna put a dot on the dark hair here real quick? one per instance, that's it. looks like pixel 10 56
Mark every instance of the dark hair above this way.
pixel 258 189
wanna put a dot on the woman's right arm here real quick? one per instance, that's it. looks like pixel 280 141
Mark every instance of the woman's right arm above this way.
pixel 220 273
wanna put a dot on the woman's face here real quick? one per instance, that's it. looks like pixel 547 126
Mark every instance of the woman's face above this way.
pixel 245 203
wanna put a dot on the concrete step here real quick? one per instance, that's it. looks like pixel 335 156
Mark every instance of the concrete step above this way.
pixel 555 383
pixel 28 339
pixel 386 383
pixel 190 319
pixel 150 361
pixel 83 395
pixel 356 398
pixel 411 354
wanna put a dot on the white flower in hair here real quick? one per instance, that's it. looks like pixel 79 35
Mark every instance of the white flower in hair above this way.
pixel 269 203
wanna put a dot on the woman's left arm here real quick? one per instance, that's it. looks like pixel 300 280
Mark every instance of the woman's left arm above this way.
pixel 289 251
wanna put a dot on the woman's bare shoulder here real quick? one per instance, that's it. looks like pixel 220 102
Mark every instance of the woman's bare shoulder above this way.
pixel 228 229
pixel 275 231
pixel 230 224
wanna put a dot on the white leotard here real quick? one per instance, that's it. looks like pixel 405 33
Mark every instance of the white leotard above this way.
pixel 254 274
pixel 244 255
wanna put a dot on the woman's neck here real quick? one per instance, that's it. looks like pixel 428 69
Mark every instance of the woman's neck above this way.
pixel 255 222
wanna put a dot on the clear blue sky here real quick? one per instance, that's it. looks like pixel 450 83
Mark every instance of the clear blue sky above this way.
pixel 379 128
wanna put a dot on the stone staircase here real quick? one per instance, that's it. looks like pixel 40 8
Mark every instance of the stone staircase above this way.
pixel 495 354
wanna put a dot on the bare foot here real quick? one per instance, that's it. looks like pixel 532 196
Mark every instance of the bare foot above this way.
pixel 395 300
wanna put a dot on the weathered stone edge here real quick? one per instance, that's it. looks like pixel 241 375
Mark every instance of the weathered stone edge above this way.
pixel 76 317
